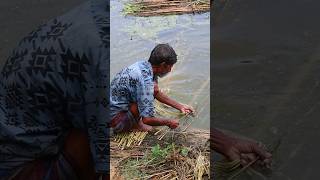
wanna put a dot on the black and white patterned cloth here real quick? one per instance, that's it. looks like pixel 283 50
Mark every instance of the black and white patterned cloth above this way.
pixel 57 79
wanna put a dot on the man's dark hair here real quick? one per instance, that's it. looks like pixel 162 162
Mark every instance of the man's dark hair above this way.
pixel 163 53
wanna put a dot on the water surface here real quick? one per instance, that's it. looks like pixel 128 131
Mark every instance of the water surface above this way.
pixel 266 76
pixel 133 38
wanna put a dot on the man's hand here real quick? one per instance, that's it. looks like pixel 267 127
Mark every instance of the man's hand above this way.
pixel 239 149
pixel 248 151
pixel 186 109
pixel 173 123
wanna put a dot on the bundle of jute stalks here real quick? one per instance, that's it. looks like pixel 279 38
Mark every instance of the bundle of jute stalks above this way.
pixel 185 120
pixel 166 7
pixel 130 138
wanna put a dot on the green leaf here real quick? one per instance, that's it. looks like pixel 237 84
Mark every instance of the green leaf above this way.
pixel 184 151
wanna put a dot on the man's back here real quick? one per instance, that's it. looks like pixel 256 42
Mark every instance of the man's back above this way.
pixel 133 84
pixel 52 82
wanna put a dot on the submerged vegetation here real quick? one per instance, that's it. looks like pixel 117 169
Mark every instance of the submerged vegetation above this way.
pixel 230 170
pixel 165 7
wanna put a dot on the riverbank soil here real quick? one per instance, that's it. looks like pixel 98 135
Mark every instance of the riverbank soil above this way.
pixel 175 156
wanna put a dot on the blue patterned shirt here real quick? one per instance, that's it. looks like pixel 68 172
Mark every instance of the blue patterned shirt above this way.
pixel 133 84
pixel 56 79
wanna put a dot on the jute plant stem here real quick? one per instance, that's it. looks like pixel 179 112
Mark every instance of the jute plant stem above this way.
pixel 131 138
pixel 152 175
pixel 243 169
pixel 233 169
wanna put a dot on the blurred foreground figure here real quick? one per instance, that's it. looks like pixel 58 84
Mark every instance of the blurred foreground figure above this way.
pixel 53 101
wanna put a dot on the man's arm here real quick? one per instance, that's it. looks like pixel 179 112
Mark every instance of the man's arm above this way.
pixel 163 98
pixel 220 141
pixel 155 121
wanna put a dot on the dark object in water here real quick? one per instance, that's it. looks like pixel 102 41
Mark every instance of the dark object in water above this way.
pixel 246 61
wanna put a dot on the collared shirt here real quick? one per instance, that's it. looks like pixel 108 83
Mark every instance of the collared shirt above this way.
pixel 55 80
pixel 133 84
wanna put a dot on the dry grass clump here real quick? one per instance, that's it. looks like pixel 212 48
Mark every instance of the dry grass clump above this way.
pixel 183 157
pixel 170 161
pixel 201 168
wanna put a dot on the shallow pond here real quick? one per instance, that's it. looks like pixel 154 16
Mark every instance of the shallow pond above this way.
pixel 133 38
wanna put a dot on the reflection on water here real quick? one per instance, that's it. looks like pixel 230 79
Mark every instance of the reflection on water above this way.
pixel 133 38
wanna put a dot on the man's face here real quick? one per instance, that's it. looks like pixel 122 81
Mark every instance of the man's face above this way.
pixel 164 69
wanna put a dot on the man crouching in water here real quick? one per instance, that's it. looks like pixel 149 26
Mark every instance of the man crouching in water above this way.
pixel 134 88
